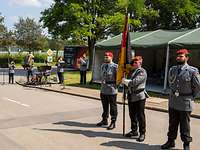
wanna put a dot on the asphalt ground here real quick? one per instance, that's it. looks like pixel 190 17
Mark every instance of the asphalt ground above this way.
pixel 32 119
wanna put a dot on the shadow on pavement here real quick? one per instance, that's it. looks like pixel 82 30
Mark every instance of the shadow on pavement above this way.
pixel 131 145
pixel 76 124
pixel 87 133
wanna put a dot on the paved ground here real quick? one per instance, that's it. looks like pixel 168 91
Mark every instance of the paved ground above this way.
pixel 32 119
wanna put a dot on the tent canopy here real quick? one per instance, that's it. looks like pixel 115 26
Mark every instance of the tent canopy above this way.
pixel 146 43
pixel 156 39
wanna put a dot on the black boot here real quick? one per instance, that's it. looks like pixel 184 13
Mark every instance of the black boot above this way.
pixel 111 126
pixel 141 138
pixel 168 144
pixel 103 122
pixel 186 146
pixel 131 134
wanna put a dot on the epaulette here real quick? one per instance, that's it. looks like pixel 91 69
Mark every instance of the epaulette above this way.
pixel 193 68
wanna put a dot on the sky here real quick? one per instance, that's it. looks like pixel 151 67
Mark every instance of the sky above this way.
pixel 13 9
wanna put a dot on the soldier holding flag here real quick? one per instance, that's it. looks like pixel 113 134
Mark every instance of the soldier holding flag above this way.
pixel 137 95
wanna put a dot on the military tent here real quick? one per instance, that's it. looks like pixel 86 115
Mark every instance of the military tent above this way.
pixel 158 49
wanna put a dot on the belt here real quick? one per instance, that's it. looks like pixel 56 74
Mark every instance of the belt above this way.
pixel 110 82
pixel 184 94
pixel 138 91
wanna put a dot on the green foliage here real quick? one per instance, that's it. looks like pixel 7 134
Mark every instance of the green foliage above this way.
pixel 19 58
pixel 40 58
pixel 28 34
pixel 174 14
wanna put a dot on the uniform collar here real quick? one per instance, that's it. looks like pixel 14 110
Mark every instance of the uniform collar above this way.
pixel 183 66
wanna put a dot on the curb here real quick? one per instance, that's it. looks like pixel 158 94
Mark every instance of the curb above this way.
pixel 94 98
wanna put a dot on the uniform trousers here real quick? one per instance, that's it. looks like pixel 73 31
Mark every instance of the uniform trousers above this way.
pixel 137 115
pixel 82 77
pixel 29 73
pixel 11 77
pixel 60 77
pixel 109 100
pixel 177 117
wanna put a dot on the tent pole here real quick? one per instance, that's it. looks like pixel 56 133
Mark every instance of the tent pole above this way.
pixel 166 69
pixel 93 63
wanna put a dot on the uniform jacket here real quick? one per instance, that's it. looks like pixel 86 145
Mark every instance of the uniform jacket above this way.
pixel 83 64
pixel 11 68
pixel 59 66
pixel 184 84
pixel 108 78
pixel 136 87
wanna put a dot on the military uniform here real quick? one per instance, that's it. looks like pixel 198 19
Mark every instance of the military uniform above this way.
pixel 184 84
pixel 60 71
pixel 108 91
pixel 83 70
pixel 11 72
pixel 136 99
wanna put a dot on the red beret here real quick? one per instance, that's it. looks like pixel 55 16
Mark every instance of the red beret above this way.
pixel 182 51
pixel 110 54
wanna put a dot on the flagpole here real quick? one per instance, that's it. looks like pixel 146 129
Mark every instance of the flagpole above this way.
pixel 124 91
pixel 124 99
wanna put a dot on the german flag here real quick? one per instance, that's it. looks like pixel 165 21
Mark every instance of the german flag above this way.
pixel 125 52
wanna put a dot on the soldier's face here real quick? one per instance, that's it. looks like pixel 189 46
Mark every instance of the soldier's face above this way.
pixel 136 64
pixel 181 58
pixel 107 59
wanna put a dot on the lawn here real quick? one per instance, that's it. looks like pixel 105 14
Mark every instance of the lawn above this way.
pixel 72 78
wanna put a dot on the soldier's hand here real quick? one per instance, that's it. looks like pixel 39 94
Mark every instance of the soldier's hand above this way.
pixel 125 81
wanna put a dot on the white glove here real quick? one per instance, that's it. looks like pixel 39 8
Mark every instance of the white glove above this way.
pixel 125 81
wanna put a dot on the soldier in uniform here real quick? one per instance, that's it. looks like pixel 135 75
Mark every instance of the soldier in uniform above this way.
pixel 29 66
pixel 83 68
pixel 60 69
pixel 184 84
pixel 108 92
pixel 11 71
pixel 137 95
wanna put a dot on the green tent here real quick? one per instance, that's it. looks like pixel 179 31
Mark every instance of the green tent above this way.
pixel 159 41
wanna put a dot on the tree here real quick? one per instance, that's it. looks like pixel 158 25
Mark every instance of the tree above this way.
pixel 57 44
pixel 7 38
pixel 174 14
pixel 84 21
pixel 28 34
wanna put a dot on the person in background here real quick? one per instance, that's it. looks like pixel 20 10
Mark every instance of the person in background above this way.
pixel 11 71
pixel 30 66
pixel 60 69
pixel 108 91
pixel 83 68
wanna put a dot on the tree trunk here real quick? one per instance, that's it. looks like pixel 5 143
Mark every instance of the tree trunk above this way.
pixel 91 44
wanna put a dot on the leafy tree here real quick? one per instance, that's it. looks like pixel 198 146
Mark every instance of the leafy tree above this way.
pixel 84 21
pixel 7 38
pixel 28 34
pixel 174 14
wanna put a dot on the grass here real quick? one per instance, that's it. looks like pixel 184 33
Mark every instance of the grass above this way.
pixel 72 78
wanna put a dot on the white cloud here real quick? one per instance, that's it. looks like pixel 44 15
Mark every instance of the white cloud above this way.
pixel 31 3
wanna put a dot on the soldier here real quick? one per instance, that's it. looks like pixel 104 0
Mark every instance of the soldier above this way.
pixel 108 92
pixel 184 84
pixel 83 68
pixel 29 66
pixel 137 95
pixel 11 72
pixel 60 69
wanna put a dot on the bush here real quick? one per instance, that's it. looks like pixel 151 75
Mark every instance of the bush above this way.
pixel 40 58
pixel 19 58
